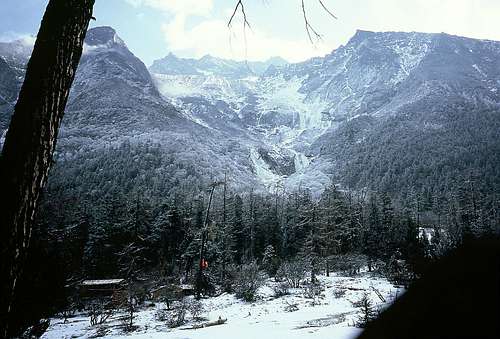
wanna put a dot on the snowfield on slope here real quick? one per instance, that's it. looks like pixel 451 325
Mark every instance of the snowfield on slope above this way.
pixel 269 317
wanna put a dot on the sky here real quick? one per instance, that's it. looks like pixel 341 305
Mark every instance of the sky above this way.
pixel 194 28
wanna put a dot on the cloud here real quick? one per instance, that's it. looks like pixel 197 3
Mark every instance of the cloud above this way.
pixel 177 7
pixel 211 35
pixel 214 37
pixel 195 27
pixel 473 18
pixel 26 39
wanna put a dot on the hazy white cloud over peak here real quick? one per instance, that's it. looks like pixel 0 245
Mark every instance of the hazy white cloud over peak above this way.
pixel 193 28
pixel 25 39
pixel 177 7
pixel 213 37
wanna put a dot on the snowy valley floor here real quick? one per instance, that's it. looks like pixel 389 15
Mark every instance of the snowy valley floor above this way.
pixel 268 318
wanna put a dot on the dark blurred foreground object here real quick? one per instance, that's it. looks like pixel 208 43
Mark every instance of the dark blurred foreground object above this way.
pixel 458 297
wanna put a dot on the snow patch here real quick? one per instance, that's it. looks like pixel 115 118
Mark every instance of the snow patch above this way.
pixel 480 71
pixel 262 170
pixel 328 316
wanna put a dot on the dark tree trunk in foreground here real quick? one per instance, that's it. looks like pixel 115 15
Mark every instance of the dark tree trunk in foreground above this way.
pixel 31 138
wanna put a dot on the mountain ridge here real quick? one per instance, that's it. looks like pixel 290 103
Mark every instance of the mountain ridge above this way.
pixel 296 124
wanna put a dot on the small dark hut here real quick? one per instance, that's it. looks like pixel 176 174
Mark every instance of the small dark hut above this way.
pixel 113 289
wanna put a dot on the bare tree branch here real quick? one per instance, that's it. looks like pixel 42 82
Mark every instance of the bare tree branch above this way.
pixel 239 4
pixel 309 28
pixel 327 10
pixel 312 34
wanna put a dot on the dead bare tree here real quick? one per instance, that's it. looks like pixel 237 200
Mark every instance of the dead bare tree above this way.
pixel 204 231
pixel 30 141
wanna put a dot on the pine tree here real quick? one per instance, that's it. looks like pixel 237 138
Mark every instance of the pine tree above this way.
pixel 372 234
pixel 387 225
pixel 270 261
pixel 367 312
pixel 238 230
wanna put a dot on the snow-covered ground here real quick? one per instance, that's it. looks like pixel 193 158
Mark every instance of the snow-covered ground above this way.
pixel 326 316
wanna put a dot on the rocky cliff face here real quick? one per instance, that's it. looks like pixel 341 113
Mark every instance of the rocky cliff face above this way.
pixel 303 111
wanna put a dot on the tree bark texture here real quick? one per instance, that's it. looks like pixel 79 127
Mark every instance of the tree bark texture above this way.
pixel 30 141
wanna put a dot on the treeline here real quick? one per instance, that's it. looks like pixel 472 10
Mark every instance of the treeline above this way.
pixel 431 150
pixel 136 237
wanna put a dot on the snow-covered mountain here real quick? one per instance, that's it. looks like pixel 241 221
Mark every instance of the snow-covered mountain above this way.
pixel 117 123
pixel 350 115
pixel 295 109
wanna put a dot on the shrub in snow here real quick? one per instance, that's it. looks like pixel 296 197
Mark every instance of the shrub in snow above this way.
pixel 196 308
pixel 398 272
pixel 292 272
pixel 349 264
pixel 161 314
pixel 280 289
pixel 291 307
pixel 98 313
pixel 368 313
pixel 339 292
pixel 313 291
pixel 128 319
pixel 248 282
pixel 177 317
pixel 232 272
pixel 69 310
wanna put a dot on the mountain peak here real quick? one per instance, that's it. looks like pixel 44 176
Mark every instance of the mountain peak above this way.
pixel 209 58
pixel 103 35
pixel 362 34
pixel 277 61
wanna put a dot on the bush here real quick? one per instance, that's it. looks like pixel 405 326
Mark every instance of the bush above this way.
pixel 248 281
pixel 177 317
pixel 99 313
pixel 281 289
pixel 232 272
pixel 292 272
pixel 349 264
pixel 196 308
pixel 128 319
pixel 398 272
pixel 291 307
pixel 162 314
pixel 339 292
pixel 367 312
pixel 313 291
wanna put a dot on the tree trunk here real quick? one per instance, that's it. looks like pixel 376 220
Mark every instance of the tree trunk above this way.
pixel 31 138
